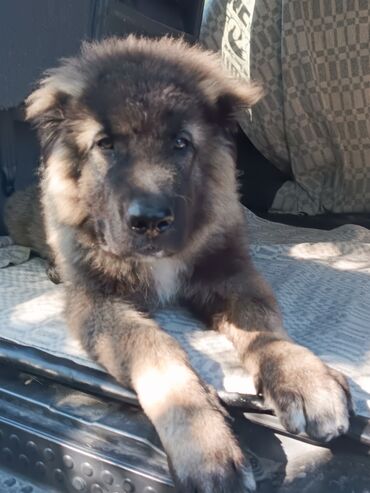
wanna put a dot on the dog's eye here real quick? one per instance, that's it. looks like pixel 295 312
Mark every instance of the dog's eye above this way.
pixel 105 143
pixel 180 143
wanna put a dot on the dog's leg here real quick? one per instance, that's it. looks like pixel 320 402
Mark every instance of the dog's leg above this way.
pixel 305 394
pixel 202 450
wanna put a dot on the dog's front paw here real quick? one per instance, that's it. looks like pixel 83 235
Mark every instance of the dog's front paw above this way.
pixel 305 394
pixel 205 457
pixel 230 478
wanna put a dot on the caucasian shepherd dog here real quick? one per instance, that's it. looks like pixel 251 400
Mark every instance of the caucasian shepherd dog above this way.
pixel 141 210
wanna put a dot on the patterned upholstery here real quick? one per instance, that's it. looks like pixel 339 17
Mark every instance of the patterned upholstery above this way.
pixel 313 59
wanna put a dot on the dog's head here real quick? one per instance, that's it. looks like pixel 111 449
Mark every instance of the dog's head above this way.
pixel 135 137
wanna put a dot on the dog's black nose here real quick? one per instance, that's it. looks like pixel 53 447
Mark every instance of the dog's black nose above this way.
pixel 149 219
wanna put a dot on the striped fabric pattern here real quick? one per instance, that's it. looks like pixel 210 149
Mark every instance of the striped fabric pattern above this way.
pixel 313 58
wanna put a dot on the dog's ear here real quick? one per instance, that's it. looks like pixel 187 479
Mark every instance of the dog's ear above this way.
pixel 235 98
pixel 226 95
pixel 45 106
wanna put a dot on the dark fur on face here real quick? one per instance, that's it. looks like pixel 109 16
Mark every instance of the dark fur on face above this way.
pixel 141 209
pixel 145 131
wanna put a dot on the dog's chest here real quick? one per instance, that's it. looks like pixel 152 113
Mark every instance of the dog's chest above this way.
pixel 166 275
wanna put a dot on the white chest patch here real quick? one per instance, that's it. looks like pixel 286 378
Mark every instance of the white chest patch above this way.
pixel 166 276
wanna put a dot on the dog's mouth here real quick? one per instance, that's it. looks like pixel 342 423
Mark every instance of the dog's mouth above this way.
pixel 143 255
pixel 158 254
pixel 152 250
pixel 148 251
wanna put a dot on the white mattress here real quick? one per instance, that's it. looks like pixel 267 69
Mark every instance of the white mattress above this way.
pixel 321 278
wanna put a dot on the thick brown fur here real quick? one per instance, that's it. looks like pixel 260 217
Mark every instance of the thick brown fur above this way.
pixel 132 120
